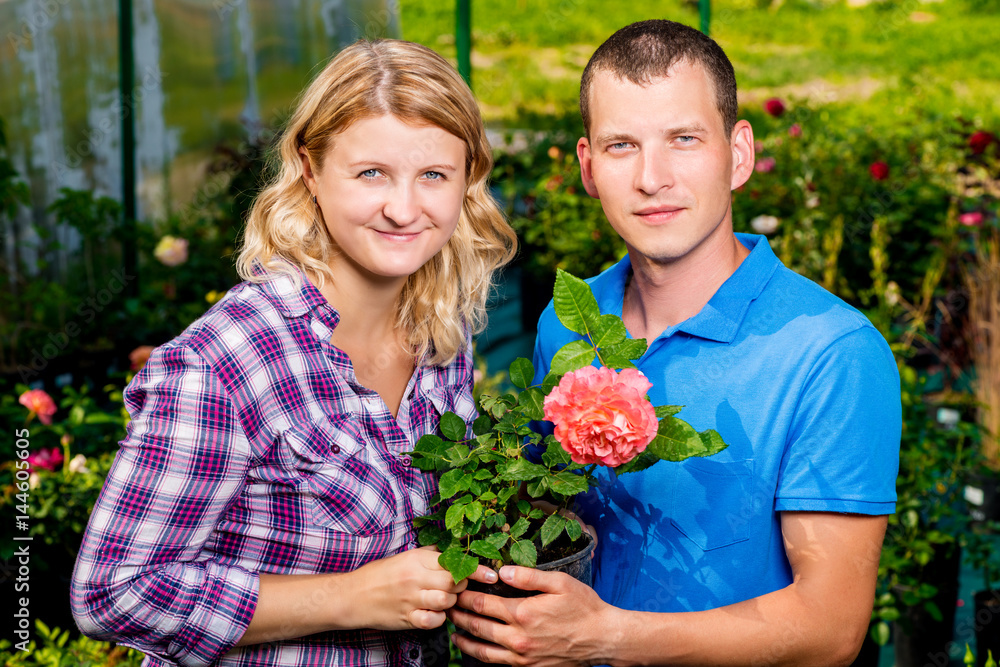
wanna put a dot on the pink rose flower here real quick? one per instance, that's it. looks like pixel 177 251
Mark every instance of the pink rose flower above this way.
pixel 774 106
pixel 879 171
pixel 973 219
pixel 765 164
pixel 139 356
pixel 171 251
pixel 795 130
pixel 601 416
pixel 39 403
pixel 49 459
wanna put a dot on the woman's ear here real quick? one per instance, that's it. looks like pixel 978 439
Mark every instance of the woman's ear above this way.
pixel 307 171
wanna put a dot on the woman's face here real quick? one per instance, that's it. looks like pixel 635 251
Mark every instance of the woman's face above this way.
pixel 391 194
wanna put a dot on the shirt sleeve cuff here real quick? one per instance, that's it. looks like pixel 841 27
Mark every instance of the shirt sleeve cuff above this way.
pixel 834 505
pixel 220 618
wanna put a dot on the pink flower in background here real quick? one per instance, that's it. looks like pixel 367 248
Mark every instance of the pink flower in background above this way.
pixel 49 459
pixel 39 403
pixel 774 106
pixel 171 251
pixel 139 356
pixel 765 164
pixel 973 219
pixel 980 141
pixel 758 146
pixel 879 170
pixel 601 416
pixel 795 130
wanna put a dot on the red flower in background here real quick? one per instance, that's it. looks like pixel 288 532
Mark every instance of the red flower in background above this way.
pixel 980 141
pixel 879 171
pixel 774 106
pixel 39 403
pixel 139 356
pixel 49 459
pixel 795 130
pixel 973 219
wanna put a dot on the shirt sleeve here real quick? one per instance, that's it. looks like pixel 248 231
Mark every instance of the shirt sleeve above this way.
pixel 143 578
pixel 842 451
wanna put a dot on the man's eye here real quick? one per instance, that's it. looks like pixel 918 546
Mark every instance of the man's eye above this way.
pixel 620 146
pixel 686 139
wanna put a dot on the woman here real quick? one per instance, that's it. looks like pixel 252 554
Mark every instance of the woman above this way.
pixel 262 494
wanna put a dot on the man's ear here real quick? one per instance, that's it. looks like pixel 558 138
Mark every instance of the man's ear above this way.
pixel 741 142
pixel 586 173
pixel 307 171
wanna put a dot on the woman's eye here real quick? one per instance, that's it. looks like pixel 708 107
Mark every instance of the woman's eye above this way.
pixel 433 175
pixel 369 173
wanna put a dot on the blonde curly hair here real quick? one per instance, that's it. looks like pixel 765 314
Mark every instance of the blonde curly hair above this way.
pixel 447 296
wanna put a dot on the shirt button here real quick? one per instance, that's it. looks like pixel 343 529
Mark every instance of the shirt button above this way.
pixel 335 449
pixel 406 460
pixel 414 653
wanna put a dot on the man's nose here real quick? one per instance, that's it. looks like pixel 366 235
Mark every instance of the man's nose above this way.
pixel 654 171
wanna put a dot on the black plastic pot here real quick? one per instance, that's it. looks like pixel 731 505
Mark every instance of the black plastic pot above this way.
pixel 987 619
pixel 577 565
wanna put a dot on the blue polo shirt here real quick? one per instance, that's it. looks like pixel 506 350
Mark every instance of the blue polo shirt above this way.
pixel 805 391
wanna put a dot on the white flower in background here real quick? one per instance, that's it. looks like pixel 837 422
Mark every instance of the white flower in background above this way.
pixel 171 251
pixel 812 202
pixel 78 464
pixel 892 293
pixel 765 224
pixel 34 480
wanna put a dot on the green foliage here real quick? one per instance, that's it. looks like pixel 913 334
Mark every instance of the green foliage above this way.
pixel 482 512
pixel 54 648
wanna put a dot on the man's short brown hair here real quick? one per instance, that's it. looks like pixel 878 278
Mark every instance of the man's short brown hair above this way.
pixel 646 50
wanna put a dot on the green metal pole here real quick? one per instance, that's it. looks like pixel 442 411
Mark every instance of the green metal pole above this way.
pixel 705 11
pixel 126 78
pixel 463 38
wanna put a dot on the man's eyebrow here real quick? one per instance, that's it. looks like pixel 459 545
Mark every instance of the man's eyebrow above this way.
pixel 612 138
pixel 695 128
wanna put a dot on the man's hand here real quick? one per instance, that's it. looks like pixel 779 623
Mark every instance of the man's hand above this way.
pixel 566 624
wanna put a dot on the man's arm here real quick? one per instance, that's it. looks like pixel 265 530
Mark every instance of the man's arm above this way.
pixel 818 619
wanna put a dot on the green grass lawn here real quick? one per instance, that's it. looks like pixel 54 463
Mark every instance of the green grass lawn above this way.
pixel 528 54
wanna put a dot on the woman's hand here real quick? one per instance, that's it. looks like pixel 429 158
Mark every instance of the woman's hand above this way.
pixel 408 591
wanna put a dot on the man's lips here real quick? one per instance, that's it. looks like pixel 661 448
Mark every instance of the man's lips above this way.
pixel 659 213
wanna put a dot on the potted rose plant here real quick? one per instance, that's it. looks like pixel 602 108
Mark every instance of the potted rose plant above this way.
pixel 601 416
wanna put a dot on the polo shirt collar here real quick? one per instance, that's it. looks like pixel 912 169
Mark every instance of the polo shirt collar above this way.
pixel 721 317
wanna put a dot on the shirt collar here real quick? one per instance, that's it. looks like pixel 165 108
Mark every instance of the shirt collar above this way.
pixel 721 317
pixel 292 301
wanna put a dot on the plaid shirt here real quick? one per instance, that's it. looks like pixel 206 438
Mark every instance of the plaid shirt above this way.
pixel 252 448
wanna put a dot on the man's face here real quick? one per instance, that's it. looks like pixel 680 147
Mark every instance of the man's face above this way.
pixel 661 163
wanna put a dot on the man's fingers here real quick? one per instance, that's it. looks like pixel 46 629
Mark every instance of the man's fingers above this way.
pixel 481 627
pixel 484 575
pixel 484 604
pixel 530 579
pixel 485 652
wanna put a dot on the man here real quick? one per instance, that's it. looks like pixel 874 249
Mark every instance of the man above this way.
pixel 766 553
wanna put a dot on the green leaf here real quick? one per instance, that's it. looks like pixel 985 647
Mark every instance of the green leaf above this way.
pixel 452 482
pixel 641 462
pixel 498 540
pixel 933 611
pixel 538 487
pixel 676 440
pixel 621 354
pixel 523 553
pixel 522 372
pixel 519 527
pixel 668 410
pixel 552 528
pixel 458 455
pixel 555 455
pixel 485 549
pixel 575 304
pixel 568 484
pixel 609 330
pixel 574 530
pixel 474 511
pixel 573 356
pixel 550 381
pixel 430 444
pixel 880 633
pixel 429 535
pixel 452 426
pixel 532 401
pixel 713 442
pixel 522 470
pixel 453 517
pixel 482 425
pixel 483 474
pixel 460 564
